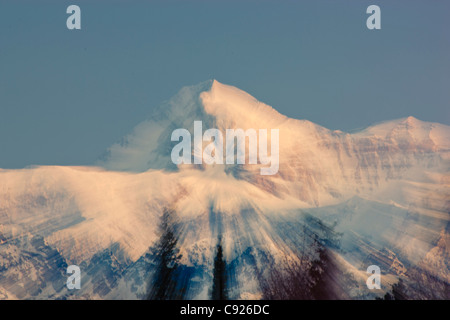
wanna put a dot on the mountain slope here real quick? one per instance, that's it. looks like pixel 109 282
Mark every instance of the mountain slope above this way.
pixel 338 203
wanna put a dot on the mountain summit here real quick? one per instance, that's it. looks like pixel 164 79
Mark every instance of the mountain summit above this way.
pixel 215 104
pixel 317 165
pixel 140 227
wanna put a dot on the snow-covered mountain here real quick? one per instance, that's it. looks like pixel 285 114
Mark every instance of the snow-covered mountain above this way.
pixel 141 227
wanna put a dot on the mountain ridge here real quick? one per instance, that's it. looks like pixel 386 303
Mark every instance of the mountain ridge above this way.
pixel 339 200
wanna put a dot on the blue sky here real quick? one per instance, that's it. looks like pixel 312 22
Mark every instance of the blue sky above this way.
pixel 65 96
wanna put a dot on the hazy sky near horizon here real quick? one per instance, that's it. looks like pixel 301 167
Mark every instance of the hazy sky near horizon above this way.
pixel 66 96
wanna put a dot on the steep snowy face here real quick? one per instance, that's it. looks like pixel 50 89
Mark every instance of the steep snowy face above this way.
pixel 233 108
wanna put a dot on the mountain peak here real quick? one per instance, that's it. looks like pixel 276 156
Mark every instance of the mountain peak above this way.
pixel 223 107
pixel 412 121
pixel 411 118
